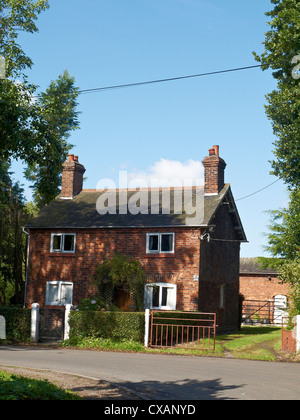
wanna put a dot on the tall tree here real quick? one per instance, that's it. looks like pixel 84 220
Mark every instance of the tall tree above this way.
pixel 281 54
pixel 33 128
pixel 282 48
pixel 57 107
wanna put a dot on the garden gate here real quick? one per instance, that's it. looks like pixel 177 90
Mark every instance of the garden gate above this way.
pixel 51 324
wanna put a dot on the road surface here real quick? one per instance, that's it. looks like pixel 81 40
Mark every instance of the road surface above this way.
pixel 168 377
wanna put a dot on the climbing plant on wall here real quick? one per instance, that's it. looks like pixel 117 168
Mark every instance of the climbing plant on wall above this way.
pixel 120 273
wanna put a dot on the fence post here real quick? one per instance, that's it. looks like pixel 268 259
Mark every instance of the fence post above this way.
pixel 2 328
pixel 35 318
pixel 297 333
pixel 67 323
pixel 147 319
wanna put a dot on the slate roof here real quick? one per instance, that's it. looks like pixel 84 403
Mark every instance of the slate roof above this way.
pixel 81 212
pixel 252 266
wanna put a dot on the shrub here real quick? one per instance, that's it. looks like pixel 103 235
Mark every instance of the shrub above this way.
pixel 112 325
pixel 18 323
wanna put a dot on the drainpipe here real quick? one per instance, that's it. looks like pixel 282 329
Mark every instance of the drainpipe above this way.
pixel 27 262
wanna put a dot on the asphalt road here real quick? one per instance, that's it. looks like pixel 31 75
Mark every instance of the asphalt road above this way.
pixel 164 377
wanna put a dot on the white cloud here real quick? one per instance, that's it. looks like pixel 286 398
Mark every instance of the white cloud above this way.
pixel 168 173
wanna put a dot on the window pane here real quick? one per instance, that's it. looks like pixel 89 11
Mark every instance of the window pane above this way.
pixel 155 299
pixel 164 296
pixel 69 242
pixel 153 242
pixel 166 242
pixel 66 294
pixel 56 246
pixel 52 297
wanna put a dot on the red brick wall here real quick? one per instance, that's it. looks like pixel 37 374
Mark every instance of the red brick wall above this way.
pixel 261 287
pixel 93 245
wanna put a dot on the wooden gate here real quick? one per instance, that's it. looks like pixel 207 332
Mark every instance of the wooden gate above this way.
pixel 51 324
pixel 193 330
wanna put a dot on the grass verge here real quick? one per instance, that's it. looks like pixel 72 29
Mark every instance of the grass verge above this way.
pixel 258 343
pixel 255 343
pixel 14 387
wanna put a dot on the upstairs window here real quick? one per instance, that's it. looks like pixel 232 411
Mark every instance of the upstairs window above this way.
pixel 63 242
pixel 159 243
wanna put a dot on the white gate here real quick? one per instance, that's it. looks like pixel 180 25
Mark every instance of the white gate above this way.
pixel 280 309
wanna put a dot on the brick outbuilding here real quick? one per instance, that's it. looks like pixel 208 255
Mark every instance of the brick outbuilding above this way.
pixel 194 261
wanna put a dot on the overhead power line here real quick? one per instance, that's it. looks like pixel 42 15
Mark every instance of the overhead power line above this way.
pixel 170 79
pixel 256 192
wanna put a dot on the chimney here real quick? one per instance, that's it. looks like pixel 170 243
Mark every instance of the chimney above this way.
pixel 214 168
pixel 72 177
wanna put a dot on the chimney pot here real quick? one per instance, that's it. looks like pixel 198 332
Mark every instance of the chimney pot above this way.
pixel 212 151
pixel 71 158
pixel 216 150
pixel 75 158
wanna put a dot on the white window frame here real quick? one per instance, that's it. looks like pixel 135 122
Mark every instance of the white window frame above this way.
pixel 62 235
pixel 58 301
pixel 159 251
pixel 149 296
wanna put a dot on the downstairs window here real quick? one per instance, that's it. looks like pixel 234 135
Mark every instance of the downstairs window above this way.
pixel 59 293
pixel 160 296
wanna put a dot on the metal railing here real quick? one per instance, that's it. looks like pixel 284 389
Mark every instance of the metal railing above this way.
pixel 189 330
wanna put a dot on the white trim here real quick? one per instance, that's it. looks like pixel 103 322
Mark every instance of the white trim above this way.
pixel 159 234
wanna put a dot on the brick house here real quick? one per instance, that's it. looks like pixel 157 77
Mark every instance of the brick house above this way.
pixel 195 265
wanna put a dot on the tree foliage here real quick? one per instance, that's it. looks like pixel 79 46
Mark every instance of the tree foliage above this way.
pixel 33 127
pixel 282 47
pixel 58 117
pixel 289 272
pixel 284 236
pixel 18 16
pixel 281 54
pixel 13 215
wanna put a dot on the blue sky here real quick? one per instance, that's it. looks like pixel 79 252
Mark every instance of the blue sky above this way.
pixel 111 42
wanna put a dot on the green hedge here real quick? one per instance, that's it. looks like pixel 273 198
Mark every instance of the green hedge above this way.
pixel 18 323
pixel 113 325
